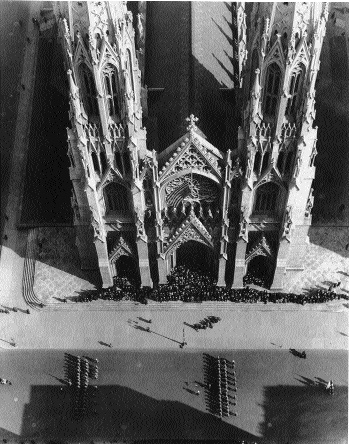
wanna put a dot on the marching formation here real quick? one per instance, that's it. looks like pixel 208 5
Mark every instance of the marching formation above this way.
pixel 78 371
pixel 220 378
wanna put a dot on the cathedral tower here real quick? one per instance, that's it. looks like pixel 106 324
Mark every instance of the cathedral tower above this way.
pixel 277 140
pixel 106 139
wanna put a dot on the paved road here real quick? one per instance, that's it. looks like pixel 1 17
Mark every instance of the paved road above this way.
pixel 143 394
pixel 237 330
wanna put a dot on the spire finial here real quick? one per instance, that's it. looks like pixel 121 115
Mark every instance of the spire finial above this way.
pixel 192 120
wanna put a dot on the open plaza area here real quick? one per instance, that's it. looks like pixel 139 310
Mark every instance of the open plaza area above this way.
pixel 174 262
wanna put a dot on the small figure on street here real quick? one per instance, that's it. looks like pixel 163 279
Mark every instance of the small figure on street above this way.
pixel 28 40
pixel 303 355
pixel 5 381
pixel 28 312
pixel 330 387
pixel 148 329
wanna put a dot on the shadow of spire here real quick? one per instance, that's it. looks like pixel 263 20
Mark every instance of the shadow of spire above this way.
pixel 121 413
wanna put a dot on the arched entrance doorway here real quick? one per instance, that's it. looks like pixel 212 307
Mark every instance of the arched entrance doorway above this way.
pixel 126 267
pixel 260 271
pixel 196 256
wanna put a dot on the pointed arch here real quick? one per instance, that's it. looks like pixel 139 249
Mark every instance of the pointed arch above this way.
pixel 266 198
pixel 104 163
pixel 117 199
pixel 95 162
pixel 295 89
pixel 271 89
pixel 88 90
pixel 257 162
pixel 111 90
pixel 280 162
pixel 129 68
pixel 254 66
pixel 265 163
pixel 289 162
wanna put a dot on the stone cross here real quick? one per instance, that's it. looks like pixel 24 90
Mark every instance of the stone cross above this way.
pixel 191 120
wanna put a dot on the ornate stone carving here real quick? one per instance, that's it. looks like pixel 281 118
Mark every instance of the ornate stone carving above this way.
pixel 272 175
pixel 122 249
pixel 190 229
pixel 249 166
pixel 96 226
pixel 192 121
pixel 243 231
pixel 241 21
pixel 297 164
pixel 190 189
pixel 140 226
pixel 191 159
pixel 75 205
pixel 261 248
pixel 310 203
pixel 236 171
pixel 313 154
pixel 140 28
pixel 287 223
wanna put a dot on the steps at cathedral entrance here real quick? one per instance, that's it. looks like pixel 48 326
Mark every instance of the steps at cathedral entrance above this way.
pixel 212 306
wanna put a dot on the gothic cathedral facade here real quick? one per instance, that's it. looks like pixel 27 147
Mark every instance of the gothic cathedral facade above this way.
pixel 241 208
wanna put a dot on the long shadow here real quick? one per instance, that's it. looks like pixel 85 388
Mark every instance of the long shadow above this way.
pixel 321 382
pixel 148 321
pixel 303 415
pixel 189 325
pixel 62 381
pixel 296 353
pixel 148 330
pixel 47 183
pixel 306 381
pixel 343 334
pixel 121 413
pixel 190 391
pixel 105 344
pixel 170 339
pixel 343 273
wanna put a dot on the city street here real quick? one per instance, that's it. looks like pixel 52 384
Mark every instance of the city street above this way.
pixel 145 394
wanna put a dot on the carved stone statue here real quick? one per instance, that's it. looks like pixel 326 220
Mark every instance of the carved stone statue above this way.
pixel 310 203
pixel 243 226
pixel 287 223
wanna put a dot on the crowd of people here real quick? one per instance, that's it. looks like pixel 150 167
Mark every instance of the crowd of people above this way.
pixel 191 286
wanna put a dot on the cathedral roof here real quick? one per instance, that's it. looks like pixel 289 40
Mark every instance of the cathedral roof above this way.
pixel 193 133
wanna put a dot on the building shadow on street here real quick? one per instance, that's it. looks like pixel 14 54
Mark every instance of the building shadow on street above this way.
pixel 306 414
pixel 120 413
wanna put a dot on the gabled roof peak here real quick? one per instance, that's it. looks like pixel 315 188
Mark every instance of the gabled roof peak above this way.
pixel 193 133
